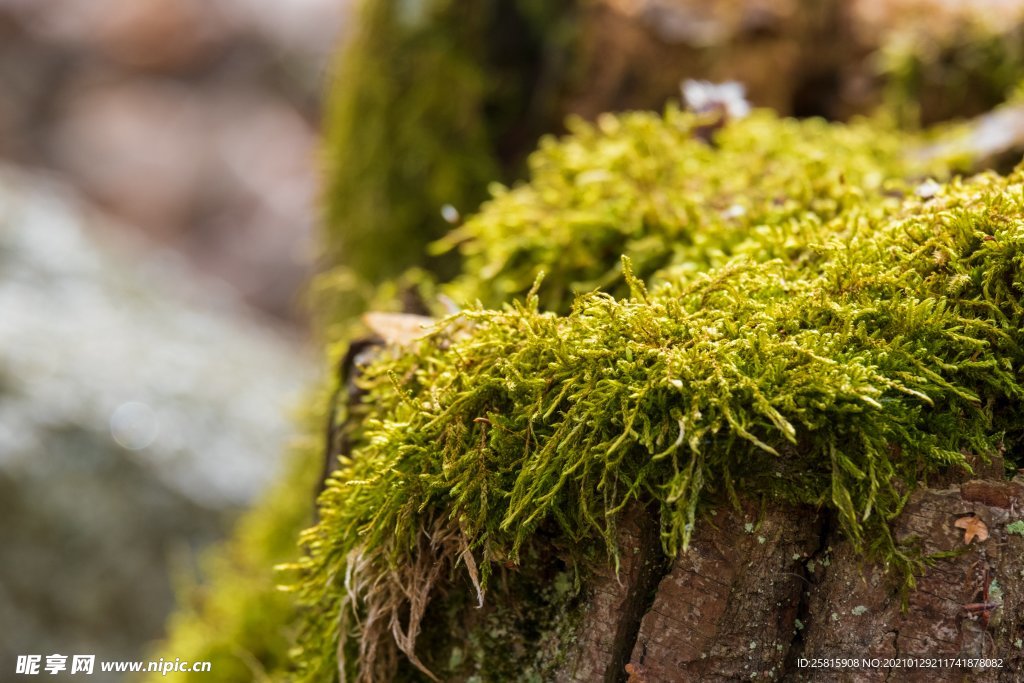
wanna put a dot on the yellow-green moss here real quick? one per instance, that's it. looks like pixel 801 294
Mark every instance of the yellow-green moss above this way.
pixel 699 223
pixel 644 185
pixel 807 321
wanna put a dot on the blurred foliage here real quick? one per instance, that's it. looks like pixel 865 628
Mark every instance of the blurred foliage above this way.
pixel 960 75
pixel 433 100
pixel 236 617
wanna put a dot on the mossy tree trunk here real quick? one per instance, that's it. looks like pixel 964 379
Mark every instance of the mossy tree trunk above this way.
pixel 763 591
pixel 762 586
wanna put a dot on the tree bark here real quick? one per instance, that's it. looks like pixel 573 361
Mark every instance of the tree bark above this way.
pixel 762 593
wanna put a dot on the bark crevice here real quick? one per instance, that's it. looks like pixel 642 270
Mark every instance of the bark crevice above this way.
pixel 608 632
pixel 817 558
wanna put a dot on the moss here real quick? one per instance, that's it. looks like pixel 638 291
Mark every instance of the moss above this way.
pixel 523 637
pixel 1016 527
pixel 647 186
pixel 690 216
pixel 433 100
pixel 833 342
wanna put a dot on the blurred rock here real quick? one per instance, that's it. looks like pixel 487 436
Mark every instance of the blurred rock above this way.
pixel 170 33
pixel 194 121
pixel 233 165
pixel 157 34
pixel 140 406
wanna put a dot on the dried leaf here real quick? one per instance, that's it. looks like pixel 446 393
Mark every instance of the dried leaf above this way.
pixel 973 528
pixel 636 673
pixel 398 328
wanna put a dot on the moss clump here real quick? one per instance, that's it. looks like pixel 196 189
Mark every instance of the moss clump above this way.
pixel 647 186
pixel 831 344
pixel 434 99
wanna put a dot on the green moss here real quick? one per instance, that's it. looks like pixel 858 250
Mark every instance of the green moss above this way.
pixel 737 240
pixel 433 100
pixel 832 343
pixel 643 185
pixel 1016 527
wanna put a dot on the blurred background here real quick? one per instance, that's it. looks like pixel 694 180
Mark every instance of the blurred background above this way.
pixel 175 173
pixel 193 123
pixel 157 207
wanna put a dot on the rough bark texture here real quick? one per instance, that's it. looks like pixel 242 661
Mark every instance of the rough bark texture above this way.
pixel 762 589
pixel 617 604
pixel 726 611
pixel 855 610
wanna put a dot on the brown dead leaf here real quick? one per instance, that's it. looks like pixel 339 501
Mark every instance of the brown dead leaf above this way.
pixel 636 673
pixel 973 528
